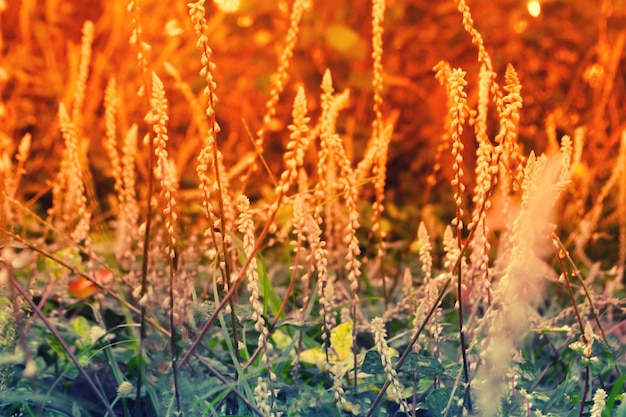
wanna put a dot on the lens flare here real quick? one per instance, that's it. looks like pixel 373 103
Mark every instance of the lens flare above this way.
pixel 228 6
pixel 534 8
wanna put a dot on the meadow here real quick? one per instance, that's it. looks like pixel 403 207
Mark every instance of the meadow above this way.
pixel 304 208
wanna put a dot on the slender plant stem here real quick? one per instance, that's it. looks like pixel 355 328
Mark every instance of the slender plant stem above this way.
pixel 585 392
pixel 459 296
pixel 148 224
pixel 432 310
pixel 227 268
pixel 223 379
pixel 568 285
pixel 354 350
pixel 232 289
pixel 66 348
pixel 222 218
pixel 576 272
pixel 75 271
pixel 408 349
pixel 594 311
pixel 144 289
pixel 280 310
pixel 173 339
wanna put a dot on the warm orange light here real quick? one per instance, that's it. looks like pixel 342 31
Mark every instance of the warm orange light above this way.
pixel 228 6
pixel 534 8
pixel 81 288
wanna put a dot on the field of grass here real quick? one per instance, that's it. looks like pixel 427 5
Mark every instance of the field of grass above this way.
pixel 311 208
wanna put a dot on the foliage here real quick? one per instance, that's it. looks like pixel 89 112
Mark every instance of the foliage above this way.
pixel 190 227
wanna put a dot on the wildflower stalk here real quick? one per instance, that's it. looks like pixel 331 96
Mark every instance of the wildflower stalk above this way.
pixel 594 311
pixel 459 112
pixel 292 280
pixel 348 184
pixel 293 158
pixel 209 155
pixel 157 117
pixel 409 348
pixel 380 334
pixel 245 225
pixel 560 254
pixel 431 312
pixel 279 78
pixel 380 135
pixel 136 39
pixel 83 72
pixel 483 56
pixel 321 191
pixel 231 290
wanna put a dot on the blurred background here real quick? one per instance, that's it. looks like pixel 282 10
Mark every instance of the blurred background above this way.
pixel 569 55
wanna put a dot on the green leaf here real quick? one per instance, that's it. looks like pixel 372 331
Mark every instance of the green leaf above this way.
pixel 341 340
pixel 612 397
pixel 296 324
pixel 82 328
pixel 621 410
pixel 69 256
pixel 57 348
pixel 315 356
pixel 281 340
pixel 341 349
pixel 372 363
pixel 270 299
pixel 437 401
pixel 604 351
pixel 452 370
pixel 425 366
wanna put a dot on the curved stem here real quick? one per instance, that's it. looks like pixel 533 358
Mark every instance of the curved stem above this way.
pixel 432 310
pixel 66 348
pixel 174 353
pixel 584 399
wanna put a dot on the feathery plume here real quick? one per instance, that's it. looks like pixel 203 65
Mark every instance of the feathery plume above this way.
pixel 298 142
pixel 157 117
pixel 459 113
pixel 128 210
pixel 110 139
pixel 69 203
pixel 245 225
pixel 519 291
pixel 380 342
pixel 378 15
pixel 599 403
pixel 483 56
pixel 83 73
pixel 210 159
pixel 279 77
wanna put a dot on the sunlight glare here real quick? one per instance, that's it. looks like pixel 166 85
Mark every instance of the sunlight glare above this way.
pixel 228 6
pixel 534 7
